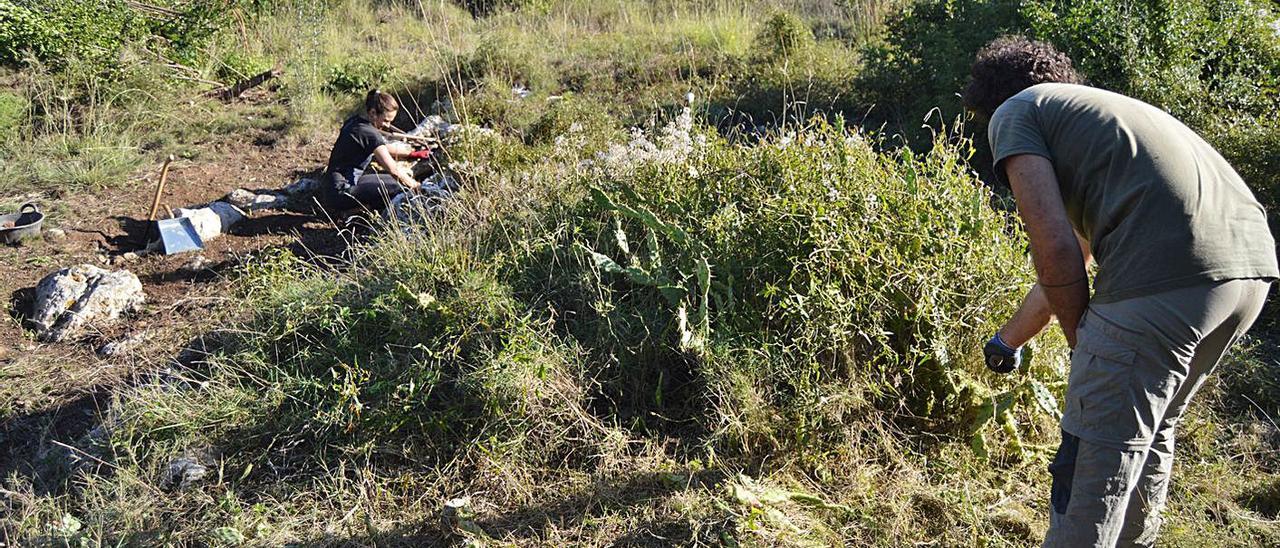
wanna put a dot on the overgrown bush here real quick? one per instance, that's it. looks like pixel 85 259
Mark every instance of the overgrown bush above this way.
pixel 359 75
pixel 13 111
pixel 811 253
pixel 1213 63
pixel 1200 59
pixel 235 66
pixel 574 116
pixel 924 59
pixel 54 32
pixel 480 8
pixel 783 35
pixel 509 60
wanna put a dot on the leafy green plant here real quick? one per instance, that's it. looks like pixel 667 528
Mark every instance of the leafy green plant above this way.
pixel 235 66
pixel 13 111
pixel 359 75
pixel 783 35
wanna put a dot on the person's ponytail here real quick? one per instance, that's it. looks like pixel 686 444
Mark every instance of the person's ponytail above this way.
pixel 378 102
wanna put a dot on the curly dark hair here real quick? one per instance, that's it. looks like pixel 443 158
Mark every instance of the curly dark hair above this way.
pixel 1010 64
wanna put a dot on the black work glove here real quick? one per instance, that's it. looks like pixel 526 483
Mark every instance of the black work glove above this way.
pixel 1001 357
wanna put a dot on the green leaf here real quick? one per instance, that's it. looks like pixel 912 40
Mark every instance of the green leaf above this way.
pixel 673 293
pixel 636 274
pixel 1044 399
pixel 704 288
pixel 642 214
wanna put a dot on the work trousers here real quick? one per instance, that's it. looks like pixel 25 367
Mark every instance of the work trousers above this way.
pixel 1136 365
pixel 370 192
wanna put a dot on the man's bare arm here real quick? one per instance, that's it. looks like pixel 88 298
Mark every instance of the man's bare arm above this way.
pixel 1058 259
pixel 1034 314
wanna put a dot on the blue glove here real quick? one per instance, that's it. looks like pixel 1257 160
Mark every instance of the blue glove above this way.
pixel 1000 357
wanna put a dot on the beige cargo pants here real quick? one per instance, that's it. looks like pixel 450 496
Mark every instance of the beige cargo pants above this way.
pixel 1136 365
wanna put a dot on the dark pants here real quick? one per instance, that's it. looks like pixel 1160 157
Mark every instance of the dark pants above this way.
pixel 371 192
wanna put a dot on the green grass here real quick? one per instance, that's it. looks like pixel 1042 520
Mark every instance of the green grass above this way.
pixel 634 326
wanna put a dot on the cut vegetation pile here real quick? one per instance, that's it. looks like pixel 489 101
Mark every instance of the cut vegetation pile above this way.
pixel 744 320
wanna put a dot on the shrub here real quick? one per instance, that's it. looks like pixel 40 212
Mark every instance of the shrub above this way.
pixel 55 32
pixel 1252 146
pixel 13 112
pixel 480 8
pixel 235 66
pixel 783 35
pixel 1199 59
pixel 799 271
pixel 509 60
pixel 923 61
pixel 1213 63
pixel 575 116
pixel 359 75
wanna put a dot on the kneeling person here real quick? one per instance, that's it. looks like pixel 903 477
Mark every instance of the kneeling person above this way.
pixel 346 185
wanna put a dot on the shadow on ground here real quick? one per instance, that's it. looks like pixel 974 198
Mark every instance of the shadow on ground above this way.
pixel 536 522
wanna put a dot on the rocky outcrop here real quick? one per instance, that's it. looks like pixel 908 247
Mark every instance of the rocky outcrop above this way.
pixel 75 299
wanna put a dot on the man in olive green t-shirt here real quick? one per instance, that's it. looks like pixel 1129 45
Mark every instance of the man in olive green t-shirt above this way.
pixel 1184 257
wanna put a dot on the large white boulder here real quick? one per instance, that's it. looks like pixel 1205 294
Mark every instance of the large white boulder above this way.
pixel 75 299
pixel 250 201
pixel 212 220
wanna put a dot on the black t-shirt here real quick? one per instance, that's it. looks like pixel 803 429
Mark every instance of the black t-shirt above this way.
pixel 354 148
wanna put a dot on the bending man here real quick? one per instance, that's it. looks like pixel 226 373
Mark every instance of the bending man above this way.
pixel 1185 260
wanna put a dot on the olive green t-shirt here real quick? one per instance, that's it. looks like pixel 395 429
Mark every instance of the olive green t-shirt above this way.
pixel 1160 208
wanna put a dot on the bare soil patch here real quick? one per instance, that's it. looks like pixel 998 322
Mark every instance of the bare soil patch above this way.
pixel 49 391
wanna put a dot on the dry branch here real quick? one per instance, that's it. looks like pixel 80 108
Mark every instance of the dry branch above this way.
pixel 235 90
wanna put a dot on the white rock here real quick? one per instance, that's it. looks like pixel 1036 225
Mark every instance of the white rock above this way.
pixel 122 346
pixel 197 264
pixel 249 201
pixel 74 299
pixel 212 220
pixel 55 234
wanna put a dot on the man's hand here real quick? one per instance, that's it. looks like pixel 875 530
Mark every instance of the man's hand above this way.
pixel 1000 357
pixel 1055 251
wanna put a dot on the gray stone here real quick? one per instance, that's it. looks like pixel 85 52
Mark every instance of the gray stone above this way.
pixel 182 472
pixel 74 299
pixel 250 201
pixel 122 346
pixel 55 234
pixel 197 264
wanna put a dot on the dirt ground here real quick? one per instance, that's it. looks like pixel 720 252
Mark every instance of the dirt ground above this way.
pixel 49 392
